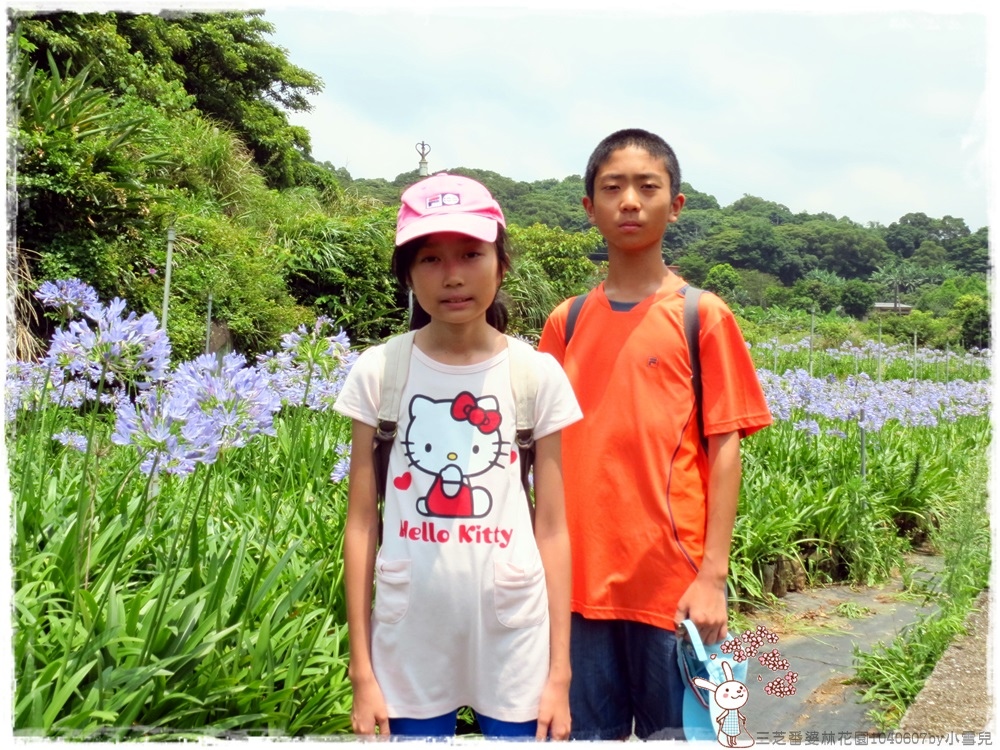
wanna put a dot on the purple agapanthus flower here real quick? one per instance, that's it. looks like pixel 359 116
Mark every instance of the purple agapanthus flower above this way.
pixel 311 367
pixel 857 398
pixel 154 429
pixel 69 296
pixel 71 439
pixel 341 469
pixel 121 349
pixel 208 406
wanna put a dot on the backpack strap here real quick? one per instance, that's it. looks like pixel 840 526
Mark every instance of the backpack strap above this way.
pixel 524 384
pixel 574 313
pixel 397 367
pixel 692 327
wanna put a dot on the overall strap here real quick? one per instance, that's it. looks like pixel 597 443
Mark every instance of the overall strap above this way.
pixel 397 365
pixel 524 384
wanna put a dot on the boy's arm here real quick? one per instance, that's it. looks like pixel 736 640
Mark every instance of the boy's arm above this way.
pixel 552 536
pixel 360 536
pixel 704 601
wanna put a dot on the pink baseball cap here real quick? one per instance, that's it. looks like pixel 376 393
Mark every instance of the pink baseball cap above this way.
pixel 448 203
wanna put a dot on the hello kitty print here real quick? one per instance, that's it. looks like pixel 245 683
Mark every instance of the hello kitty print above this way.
pixel 455 441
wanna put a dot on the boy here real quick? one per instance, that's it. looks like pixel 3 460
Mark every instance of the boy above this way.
pixel 650 510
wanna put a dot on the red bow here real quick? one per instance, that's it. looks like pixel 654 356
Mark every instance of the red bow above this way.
pixel 466 408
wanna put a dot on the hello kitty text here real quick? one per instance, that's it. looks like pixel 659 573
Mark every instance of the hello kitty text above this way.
pixel 467 533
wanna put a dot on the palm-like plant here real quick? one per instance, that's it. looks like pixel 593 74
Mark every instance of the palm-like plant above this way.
pixel 899 276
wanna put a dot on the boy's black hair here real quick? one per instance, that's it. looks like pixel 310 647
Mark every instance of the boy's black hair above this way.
pixel 402 260
pixel 649 142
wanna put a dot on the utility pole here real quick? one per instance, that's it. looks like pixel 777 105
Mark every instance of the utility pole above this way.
pixel 166 276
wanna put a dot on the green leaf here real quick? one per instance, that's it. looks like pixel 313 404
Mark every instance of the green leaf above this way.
pixel 63 694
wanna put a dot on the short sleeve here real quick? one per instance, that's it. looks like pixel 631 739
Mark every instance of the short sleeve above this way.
pixel 553 340
pixel 732 397
pixel 360 397
pixel 556 406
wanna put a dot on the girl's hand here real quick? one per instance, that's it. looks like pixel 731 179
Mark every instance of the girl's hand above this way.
pixel 369 710
pixel 553 711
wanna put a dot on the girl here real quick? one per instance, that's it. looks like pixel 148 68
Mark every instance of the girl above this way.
pixel 471 603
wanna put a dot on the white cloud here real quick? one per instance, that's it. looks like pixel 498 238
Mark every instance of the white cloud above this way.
pixel 787 106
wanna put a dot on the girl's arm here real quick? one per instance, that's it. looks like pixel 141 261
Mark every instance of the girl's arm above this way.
pixel 360 536
pixel 552 537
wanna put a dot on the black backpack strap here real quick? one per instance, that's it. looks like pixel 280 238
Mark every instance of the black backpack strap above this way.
pixel 574 313
pixel 692 327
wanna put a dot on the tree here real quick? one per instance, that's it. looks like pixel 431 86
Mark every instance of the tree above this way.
pixel 695 201
pixel 898 276
pixel 724 280
pixel 826 277
pixel 903 237
pixel 82 175
pixel 222 62
pixel 563 256
pixel 842 248
pixel 775 213
pixel 973 315
pixel 948 230
pixel 929 254
pixel 971 254
pixel 857 298
pixel 754 285
pixel 810 293
pixel 691 226
pixel 941 298
pixel 851 252
pixel 693 268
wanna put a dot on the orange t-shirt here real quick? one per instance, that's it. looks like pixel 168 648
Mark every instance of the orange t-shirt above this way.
pixel 634 472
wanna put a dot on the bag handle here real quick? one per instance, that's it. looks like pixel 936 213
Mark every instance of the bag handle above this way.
pixel 692 635
pixel 695 637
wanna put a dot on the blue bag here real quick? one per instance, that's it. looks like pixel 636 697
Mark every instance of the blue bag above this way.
pixel 701 711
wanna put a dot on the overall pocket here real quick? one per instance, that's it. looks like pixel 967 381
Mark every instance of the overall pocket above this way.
pixel 392 590
pixel 519 595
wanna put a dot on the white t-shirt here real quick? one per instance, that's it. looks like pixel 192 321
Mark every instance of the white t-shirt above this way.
pixel 461 612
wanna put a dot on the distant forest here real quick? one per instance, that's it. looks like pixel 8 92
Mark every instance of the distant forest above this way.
pixel 751 233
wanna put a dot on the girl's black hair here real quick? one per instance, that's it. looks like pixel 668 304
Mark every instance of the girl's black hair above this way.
pixel 402 260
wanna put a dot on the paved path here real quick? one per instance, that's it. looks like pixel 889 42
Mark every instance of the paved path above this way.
pixel 818 631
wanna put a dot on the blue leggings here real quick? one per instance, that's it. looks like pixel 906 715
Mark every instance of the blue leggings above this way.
pixel 444 726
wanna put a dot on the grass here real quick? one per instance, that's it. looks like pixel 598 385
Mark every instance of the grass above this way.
pixel 852 610
pixel 893 674
pixel 212 605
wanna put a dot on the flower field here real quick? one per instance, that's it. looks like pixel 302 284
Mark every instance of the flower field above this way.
pixel 177 529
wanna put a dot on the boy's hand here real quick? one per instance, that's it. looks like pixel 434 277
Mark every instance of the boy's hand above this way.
pixel 369 710
pixel 704 603
pixel 553 711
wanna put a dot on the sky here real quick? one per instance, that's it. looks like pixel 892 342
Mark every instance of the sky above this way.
pixel 869 110
pixel 869 115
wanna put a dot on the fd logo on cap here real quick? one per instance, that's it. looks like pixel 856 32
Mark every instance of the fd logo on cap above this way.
pixel 443 199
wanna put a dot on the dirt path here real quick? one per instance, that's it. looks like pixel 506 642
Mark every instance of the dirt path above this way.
pixel 818 632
